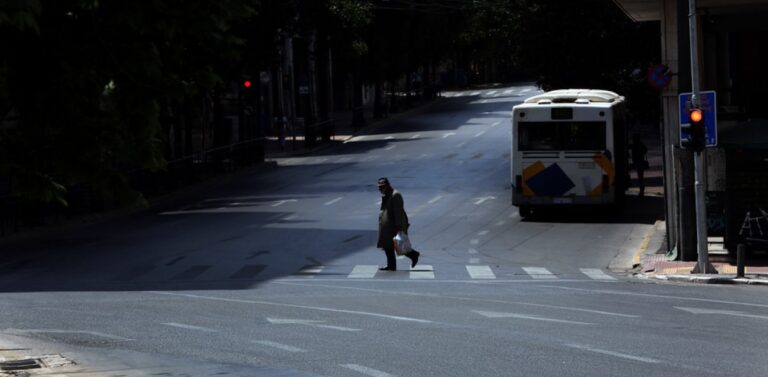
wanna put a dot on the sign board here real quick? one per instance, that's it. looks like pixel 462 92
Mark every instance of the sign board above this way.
pixel 708 104
pixel 659 76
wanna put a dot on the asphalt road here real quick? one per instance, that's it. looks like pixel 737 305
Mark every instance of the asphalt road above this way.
pixel 272 272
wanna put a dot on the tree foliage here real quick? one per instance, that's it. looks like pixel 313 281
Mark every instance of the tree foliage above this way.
pixel 88 80
pixel 86 84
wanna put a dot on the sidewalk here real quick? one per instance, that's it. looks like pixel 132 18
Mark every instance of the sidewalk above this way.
pixel 342 130
pixel 651 263
pixel 650 260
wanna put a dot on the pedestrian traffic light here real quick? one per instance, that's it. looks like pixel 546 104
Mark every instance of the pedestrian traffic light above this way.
pixel 247 83
pixel 696 139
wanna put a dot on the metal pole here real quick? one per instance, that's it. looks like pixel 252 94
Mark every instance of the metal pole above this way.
pixel 741 251
pixel 693 38
pixel 702 266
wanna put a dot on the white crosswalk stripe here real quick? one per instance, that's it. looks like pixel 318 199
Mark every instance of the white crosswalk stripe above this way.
pixel 422 271
pixel 539 273
pixel 363 272
pixel 310 272
pixel 597 274
pixel 480 272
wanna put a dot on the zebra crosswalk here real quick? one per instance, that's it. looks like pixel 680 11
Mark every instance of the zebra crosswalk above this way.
pixel 447 271
pixel 471 272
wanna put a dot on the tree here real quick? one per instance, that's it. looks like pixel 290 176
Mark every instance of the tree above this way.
pixel 89 81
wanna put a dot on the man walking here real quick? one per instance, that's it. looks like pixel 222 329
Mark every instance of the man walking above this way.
pixel 392 219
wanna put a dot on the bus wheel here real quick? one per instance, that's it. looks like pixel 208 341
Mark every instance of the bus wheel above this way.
pixel 525 211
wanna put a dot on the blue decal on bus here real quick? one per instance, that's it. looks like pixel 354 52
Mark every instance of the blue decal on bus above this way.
pixel 552 181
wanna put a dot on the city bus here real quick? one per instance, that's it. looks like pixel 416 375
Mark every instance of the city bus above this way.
pixel 569 147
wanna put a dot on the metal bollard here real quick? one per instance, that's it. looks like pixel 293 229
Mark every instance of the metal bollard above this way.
pixel 741 251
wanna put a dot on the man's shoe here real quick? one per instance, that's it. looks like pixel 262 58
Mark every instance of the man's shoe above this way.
pixel 386 269
pixel 414 258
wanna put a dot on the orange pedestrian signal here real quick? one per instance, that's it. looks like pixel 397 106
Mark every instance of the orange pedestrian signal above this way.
pixel 696 115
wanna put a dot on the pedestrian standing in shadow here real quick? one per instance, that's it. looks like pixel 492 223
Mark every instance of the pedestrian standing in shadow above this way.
pixel 639 161
pixel 392 219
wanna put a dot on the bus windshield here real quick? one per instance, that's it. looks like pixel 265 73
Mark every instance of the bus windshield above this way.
pixel 561 136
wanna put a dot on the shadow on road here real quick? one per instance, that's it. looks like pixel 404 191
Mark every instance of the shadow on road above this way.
pixel 636 210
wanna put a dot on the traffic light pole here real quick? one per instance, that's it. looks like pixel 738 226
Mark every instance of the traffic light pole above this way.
pixel 702 266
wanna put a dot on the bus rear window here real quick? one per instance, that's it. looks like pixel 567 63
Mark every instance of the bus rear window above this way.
pixel 561 136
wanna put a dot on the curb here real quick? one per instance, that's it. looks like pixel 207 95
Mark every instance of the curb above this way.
pixel 705 279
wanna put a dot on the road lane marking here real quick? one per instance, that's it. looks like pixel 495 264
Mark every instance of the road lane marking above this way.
pixel 281 202
pixel 482 232
pixel 492 92
pixel 483 199
pixel 344 159
pixel 500 223
pixel 669 297
pixel 480 133
pixel 480 272
pixel 475 93
pixel 435 199
pixel 422 271
pixel 188 327
pixel 448 134
pixel 597 274
pixel 367 371
pixel 539 273
pixel 565 308
pixel 389 148
pixel 613 353
pixel 529 317
pixel 308 322
pixel 280 346
pixel 363 272
pixel 472 251
pixel 415 136
pixel 318 308
pixel 474 241
pixel 474 260
pixel 389 137
pixel 508 91
pixel 333 201
pixel 494 124
pixel 721 312
pixel 424 155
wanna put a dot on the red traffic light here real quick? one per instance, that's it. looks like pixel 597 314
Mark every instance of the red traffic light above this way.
pixel 696 115
pixel 247 83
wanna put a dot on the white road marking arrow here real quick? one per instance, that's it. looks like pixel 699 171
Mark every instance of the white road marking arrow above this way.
pixel 530 317
pixel 483 199
pixel 721 312
pixel 281 202
pixel 448 134
pixel 308 322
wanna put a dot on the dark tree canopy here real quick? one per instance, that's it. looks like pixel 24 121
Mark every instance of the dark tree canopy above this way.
pixel 88 88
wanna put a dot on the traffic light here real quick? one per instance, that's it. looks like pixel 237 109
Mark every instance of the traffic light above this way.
pixel 247 83
pixel 696 139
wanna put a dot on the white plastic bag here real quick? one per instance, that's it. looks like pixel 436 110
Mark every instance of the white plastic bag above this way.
pixel 402 244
